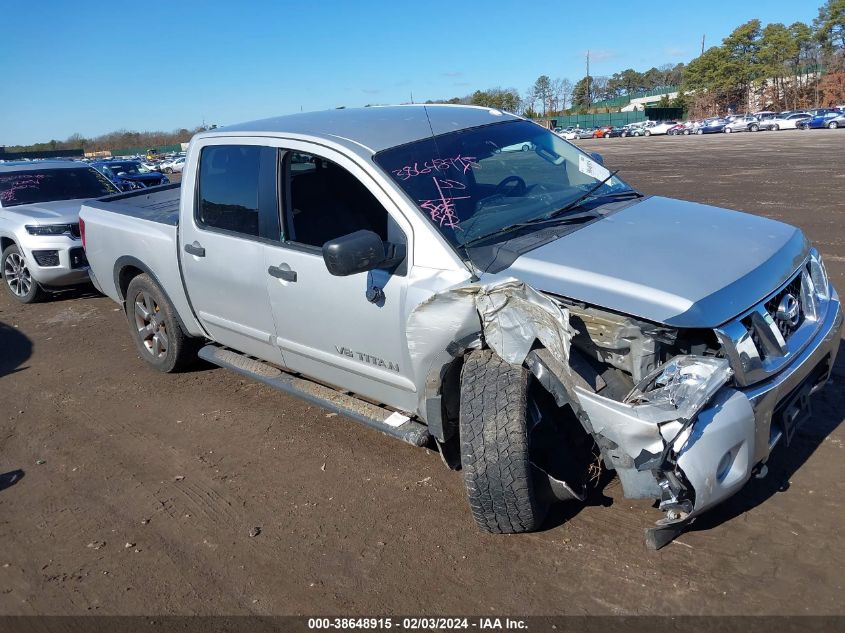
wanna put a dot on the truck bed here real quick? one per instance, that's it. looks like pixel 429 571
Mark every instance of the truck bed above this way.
pixel 137 232
pixel 156 204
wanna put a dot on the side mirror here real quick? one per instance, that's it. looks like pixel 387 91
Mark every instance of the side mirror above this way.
pixel 354 253
pixel 597 157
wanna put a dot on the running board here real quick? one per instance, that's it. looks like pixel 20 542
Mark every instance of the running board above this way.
pixel 388 422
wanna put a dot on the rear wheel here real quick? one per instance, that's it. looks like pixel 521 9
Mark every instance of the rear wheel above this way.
pixel 19 282
pixel 753 128
pixel 648 132
pixel 775 127
pixel 728 130
pixel 832 125
pixel 155 329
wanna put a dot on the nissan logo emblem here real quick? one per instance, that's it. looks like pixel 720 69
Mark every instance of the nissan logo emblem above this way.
pixel 789 310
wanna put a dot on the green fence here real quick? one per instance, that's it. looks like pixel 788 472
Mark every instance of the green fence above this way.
pixel 590 120
pixel 161 149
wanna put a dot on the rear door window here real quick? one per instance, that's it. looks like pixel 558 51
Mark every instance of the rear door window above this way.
pixel 237 191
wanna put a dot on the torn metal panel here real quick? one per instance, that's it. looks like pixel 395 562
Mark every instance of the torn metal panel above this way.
pixel 512 314
pixel 658 415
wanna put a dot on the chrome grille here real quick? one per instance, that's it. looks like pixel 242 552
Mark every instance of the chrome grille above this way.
pixel 773 306
pixel 760 342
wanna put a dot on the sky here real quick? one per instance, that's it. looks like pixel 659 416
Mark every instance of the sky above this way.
pixel 92 67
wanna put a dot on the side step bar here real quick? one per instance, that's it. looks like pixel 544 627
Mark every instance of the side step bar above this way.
pixel 376 417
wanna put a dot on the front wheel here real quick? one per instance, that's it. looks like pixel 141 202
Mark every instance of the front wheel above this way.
pixel 648 132
pixel 753 128
pixel 832 125
pixel 155 329
pixel 19 282
pixel 775 127
pixel 494 429
pixel 728 130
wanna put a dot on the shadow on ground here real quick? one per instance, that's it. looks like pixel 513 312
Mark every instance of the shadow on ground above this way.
pixel 17 349
pixel 9 479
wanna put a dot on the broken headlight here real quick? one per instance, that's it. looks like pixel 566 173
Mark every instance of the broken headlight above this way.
pixel 682 385
pixel 819 276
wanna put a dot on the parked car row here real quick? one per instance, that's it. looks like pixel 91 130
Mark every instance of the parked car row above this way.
pixel 815 118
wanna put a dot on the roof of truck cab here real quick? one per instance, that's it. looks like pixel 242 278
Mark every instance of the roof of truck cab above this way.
pixel 37 165
pixel 376 127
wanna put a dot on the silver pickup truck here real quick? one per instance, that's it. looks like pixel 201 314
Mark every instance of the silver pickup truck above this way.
pixel 526 312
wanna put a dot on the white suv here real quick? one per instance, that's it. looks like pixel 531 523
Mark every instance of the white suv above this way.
pixel 658 127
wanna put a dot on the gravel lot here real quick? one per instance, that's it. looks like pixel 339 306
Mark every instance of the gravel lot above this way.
pixel 140 490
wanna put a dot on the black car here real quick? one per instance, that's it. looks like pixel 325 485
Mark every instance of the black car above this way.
pixel 129 174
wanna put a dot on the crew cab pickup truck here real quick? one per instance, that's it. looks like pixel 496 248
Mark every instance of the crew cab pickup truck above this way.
pixel 527 313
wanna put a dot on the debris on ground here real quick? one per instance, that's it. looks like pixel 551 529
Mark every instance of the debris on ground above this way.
pixel 253 532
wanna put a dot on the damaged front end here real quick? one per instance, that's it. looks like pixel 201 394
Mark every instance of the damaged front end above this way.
pixel 662 405
pixel 681 436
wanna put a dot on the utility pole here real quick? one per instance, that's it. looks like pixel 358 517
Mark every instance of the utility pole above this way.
pixel 412 96
pixel 589 99
pixel 702 42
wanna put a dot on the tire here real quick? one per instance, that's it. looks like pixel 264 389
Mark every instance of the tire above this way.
pixel 728 130
pixel 832 125
pixel 775 127
pixel 494 445
pixel 648 132
pixel 17 279
pixel 699 131
pixel 153 325
pixel 525 147
pixel 168 170
pixel 753 128
pixel 686 132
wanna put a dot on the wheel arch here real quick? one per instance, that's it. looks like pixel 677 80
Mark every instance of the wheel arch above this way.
pixel 126 268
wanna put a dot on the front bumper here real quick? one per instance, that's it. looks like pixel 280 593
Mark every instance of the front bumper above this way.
pixel 63 260
pixel 739 428
pixel 728 439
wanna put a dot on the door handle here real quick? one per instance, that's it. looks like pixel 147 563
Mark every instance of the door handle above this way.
pixel 285 274
pixel 195 249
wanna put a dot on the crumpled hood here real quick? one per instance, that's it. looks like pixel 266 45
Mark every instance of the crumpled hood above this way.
pixel 58 212
pixel 670 261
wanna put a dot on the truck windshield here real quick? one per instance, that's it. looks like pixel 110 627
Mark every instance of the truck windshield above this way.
pixel 47 185
pixel 479 181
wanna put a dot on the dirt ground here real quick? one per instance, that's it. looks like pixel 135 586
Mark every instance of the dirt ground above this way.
pixel 138 491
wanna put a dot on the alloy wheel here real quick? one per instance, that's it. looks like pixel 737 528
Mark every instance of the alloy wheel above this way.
pixel 16 273
pixel 149 319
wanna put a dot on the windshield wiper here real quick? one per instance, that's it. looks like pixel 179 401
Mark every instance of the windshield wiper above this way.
pixel 572 219
pixel 582 197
